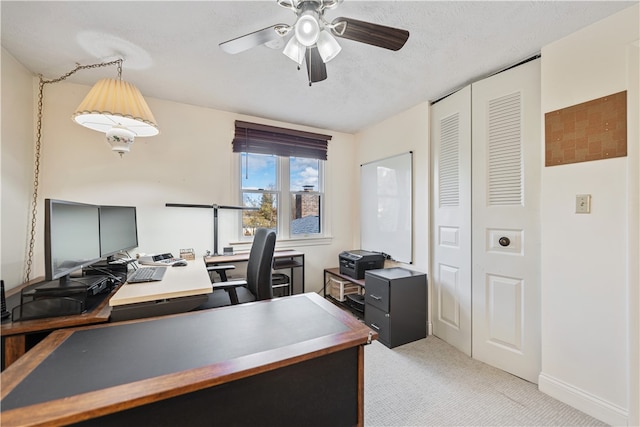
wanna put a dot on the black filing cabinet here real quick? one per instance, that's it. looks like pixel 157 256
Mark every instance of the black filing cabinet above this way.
pixel 396 305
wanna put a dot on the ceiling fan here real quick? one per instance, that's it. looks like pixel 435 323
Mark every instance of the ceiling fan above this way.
pixel 313 38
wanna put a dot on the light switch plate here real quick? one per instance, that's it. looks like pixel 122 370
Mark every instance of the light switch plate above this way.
pixel 583 203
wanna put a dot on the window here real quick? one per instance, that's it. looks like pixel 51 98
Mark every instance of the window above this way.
pixel 260 190
pixel 306 196
pixel 281 179
pixel 302 180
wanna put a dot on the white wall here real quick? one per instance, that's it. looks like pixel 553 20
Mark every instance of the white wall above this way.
pixel 585 282
pixel 16 152
pixel 634 245
pixel 190 161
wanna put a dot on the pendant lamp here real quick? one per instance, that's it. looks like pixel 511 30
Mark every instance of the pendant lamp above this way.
pixel 118 109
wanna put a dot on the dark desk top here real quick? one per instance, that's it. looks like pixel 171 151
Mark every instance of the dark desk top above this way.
pixel 103 369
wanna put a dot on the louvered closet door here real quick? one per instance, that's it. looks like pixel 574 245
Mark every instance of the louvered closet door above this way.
pixel 451 219
pixel 506 158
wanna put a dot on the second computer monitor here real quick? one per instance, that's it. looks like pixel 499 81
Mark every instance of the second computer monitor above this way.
pixel 118 229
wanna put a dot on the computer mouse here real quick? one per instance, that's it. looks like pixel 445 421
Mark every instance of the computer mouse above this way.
pixel 180 264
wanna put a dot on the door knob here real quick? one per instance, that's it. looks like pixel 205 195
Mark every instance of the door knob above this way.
pixel 504 241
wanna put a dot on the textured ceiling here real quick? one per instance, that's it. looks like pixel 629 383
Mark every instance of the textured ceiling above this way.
pixel 171 51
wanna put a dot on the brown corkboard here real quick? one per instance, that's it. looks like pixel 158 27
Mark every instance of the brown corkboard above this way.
pixel 593 130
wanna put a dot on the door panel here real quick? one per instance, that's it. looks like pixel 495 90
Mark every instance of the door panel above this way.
pixel 506 158
pixel 451 226
pixel 504 312
pixel 448 296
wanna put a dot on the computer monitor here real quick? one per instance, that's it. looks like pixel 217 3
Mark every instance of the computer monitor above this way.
pixel 71 238
pixel 118 230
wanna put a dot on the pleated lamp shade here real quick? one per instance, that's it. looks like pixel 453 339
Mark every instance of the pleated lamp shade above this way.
pixel 118 109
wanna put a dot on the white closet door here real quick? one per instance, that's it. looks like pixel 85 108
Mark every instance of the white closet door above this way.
pixel 506 157
pixel 451 219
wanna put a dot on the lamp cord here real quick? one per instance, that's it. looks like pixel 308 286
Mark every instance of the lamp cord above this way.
pixel 36 178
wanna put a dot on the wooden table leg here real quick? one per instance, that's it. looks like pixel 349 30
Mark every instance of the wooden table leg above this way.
pixel 14 347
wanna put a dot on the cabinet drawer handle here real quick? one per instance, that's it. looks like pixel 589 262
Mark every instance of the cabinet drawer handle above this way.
pixel 376 327
pixel 376 297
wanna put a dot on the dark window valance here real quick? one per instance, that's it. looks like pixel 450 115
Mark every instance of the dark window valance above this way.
pixel 262 139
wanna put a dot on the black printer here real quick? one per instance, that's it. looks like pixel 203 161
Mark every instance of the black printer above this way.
pixel 354 263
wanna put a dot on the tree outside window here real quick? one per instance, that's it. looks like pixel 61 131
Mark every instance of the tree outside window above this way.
pixel 261 189
pixel 265 217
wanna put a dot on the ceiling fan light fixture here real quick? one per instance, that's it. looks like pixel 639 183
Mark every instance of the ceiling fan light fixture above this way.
pixel 328 46
pixel 294 50
pixel 307 29
pixel 282 29
pixel 288 4
pixel 313 39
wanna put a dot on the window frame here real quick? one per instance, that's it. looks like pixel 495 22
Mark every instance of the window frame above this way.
pixel 284 197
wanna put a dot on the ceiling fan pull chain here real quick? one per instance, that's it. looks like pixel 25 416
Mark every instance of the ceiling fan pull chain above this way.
pixel 310 63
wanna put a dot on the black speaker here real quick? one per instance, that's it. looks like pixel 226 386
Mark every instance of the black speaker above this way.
pixel 5 313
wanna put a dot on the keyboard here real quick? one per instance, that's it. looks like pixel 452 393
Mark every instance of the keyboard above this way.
pixel 146 274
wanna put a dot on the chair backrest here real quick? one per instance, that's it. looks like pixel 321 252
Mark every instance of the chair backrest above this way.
pixel 260 264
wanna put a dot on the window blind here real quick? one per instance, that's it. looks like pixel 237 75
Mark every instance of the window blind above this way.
pixel 262 139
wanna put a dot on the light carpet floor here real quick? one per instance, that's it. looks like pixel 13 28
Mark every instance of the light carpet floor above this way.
pixel 430 383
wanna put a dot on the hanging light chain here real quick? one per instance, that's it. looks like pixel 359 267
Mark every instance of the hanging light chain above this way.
pixel 79 67
pixel 36 181
pixel 36 173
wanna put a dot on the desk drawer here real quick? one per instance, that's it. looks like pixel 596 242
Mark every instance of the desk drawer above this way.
pixel 377 292
pixel 378 320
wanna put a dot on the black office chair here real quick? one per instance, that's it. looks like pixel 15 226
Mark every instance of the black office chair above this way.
pixel 280 283
pixel 257 285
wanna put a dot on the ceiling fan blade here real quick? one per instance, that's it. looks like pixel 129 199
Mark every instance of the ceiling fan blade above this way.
pixel 316 70
pixel 373 34
pixel 257 38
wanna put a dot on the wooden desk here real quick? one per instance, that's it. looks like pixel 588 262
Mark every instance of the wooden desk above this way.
pixel 20 336
pixel 180 290
pixel 289 361
pixel 284 259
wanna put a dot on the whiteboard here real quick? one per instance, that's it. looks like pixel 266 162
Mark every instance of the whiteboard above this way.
pixel 386 207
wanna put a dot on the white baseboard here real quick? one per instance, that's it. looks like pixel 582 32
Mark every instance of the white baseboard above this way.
pixel 583 401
